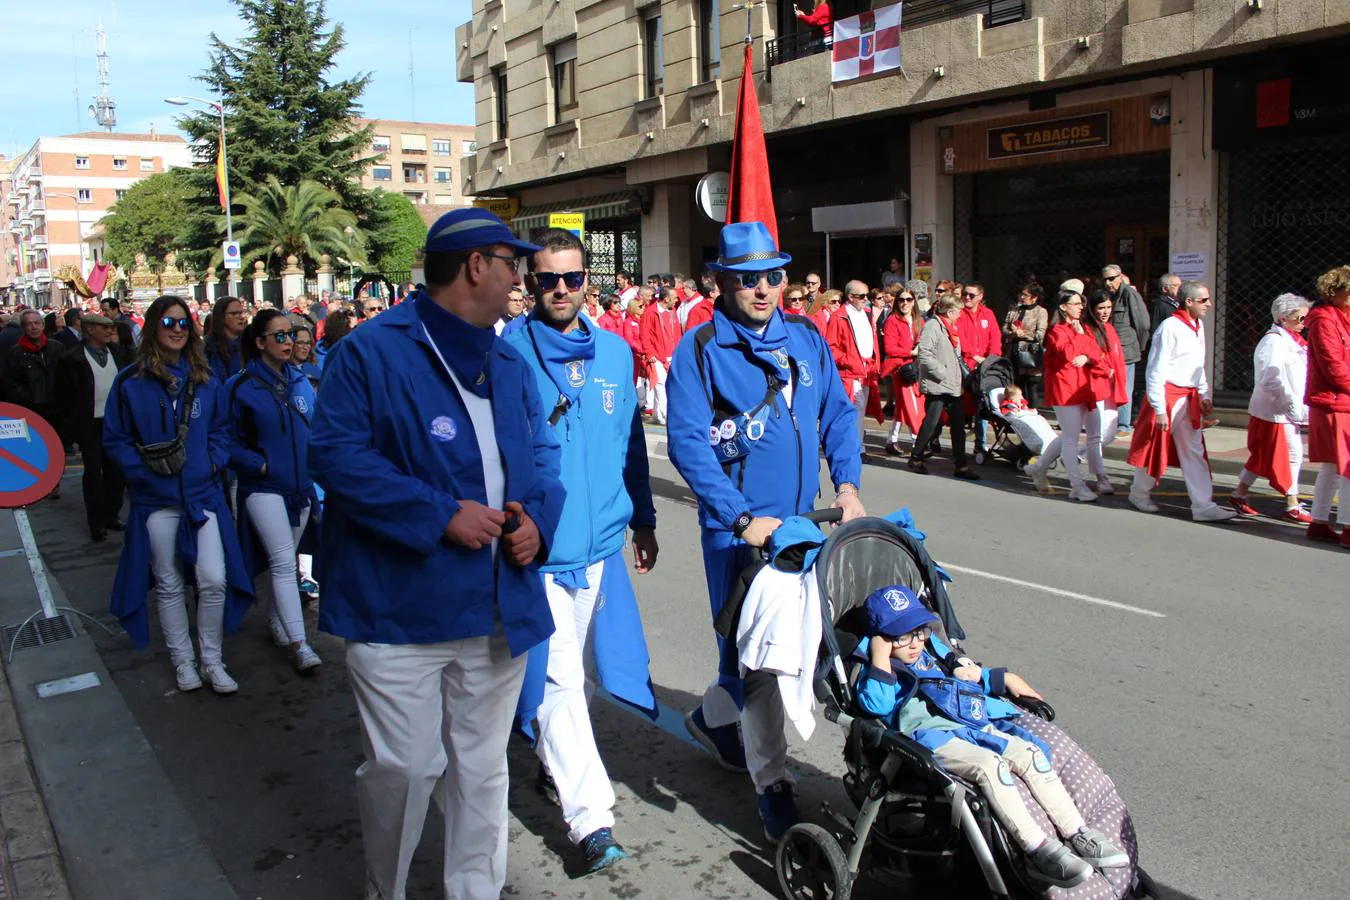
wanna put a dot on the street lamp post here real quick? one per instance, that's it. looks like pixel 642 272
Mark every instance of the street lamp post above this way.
pixel 231 275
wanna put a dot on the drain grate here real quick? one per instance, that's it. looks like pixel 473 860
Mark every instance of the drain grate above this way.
pixel 39 632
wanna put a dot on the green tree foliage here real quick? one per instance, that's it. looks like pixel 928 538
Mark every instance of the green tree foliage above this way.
pixel 306 219
pixel 397 233
pixel 148 219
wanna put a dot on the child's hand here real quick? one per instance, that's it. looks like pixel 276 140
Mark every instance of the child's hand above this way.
pixel 879 650
pixel 1017 686
pixel 968 673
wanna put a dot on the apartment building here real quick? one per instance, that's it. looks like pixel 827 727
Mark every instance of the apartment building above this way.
pixel 9 246
pixel 1016 137
pixel 62 186
pixel 420 160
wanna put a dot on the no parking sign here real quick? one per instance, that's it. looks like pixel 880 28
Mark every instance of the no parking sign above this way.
pixel 32 457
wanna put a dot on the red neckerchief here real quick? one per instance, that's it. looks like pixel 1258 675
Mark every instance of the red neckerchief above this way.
pixel 1298 338
pixel 31 347
pixel 951 335
pixel 1185 317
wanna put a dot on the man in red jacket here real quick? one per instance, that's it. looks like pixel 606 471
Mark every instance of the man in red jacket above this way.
pixel 660 334
pixel 857 353
pixel 980 338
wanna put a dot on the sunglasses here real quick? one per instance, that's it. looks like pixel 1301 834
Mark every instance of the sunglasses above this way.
pixel 904 299
pixel 940 290
pixel 750 280
pixel 547 281
pixel 172 322
pixel 281 337
pixel 374 309
pixel 970 294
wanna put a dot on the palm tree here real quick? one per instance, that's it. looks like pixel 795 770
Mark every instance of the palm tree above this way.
pixel 305 219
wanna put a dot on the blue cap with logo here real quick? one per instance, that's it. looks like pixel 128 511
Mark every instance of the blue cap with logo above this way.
pixel 747 247
pixel 472 228
pixel 896 610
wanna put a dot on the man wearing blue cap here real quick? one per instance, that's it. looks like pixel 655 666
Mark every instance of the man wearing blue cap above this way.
pixel 753 394
pixel 441 476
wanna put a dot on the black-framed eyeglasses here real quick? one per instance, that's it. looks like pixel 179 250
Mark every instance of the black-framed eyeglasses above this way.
pixel 864 296
pixel 512 261
pixel 970 294
pixel 920 634
pixel 547 281
pixel 1202 299
pixel 171 322
pixel 750 280
pixel 281 337
pixel 376 308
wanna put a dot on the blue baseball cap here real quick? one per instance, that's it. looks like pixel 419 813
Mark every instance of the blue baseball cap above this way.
pixel 896 610
pixel 472 228
pixel 747 247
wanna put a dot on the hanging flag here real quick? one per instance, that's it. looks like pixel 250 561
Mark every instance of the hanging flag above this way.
pixel 866 44
pixel 220 168
pixel 750 197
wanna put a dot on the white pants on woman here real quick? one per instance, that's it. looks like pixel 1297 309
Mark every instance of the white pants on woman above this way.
pixel 659 390
pixel 1073 420
pixel 272 524
pixel 1291 437
pixel 1329 481
pixel 162 526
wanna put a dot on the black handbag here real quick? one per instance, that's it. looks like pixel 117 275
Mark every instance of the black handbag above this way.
pixel 910 373
pixel 167 458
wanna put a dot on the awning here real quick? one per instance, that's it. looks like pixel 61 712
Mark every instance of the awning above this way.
pixel 618 205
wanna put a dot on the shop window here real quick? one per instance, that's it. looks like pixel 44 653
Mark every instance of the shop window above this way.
pixel 565 81
pixel 652 65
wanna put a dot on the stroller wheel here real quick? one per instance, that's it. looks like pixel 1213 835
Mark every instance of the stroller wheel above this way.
pixel 811 865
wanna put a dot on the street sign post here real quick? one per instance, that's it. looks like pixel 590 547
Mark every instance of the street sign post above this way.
pixel 230 250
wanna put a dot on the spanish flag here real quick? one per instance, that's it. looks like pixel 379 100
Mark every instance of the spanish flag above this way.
pixel 221 177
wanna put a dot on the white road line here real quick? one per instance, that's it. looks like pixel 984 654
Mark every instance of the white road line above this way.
pixel 1072 595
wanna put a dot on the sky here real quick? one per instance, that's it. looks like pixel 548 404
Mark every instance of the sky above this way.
pixel 157 48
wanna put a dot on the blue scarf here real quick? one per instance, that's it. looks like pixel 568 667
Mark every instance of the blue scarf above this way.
pixel 770 348
pixel 563 356
pixel 464 347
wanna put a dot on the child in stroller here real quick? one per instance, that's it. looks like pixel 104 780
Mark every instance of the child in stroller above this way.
pixel 1035 432
pixel 970 733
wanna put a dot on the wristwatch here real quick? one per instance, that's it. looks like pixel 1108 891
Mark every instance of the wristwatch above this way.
pixel 742 522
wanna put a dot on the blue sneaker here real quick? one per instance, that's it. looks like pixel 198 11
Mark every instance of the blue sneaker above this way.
pixel 723 742
pixel 601 850
pixel 777 810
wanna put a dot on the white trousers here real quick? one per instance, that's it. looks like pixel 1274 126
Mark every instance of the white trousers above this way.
pixel 1108 424
pixel 860 395
pixel 1190 444
pixel 427 709
pixel 279 538
pixel 1291 437
pixel 304 569
pixel 171 590
pixel 1329 481
pixel 1073 420
pixel 659 407
pixel 566 740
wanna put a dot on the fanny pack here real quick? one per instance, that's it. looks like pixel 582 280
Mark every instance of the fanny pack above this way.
pixel 167 458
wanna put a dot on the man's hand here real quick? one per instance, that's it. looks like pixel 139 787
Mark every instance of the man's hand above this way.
pixel 644 549
pixel 475 525
pixel 759 529
pixel 1163 423
pixel 1206 405
pixel 522 544
pixel 848 501
pixel 968 673
pixel 1017 686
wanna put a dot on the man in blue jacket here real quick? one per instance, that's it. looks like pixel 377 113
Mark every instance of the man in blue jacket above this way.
pixel 753 394
pixel 442 498
pixel 585 376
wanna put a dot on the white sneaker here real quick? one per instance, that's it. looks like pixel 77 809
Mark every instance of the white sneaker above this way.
pixel 279 636
pixel 188 679
pixel 221 682
pixel 1142 503
pixel 1083 494
pixel 1104 486
pixel 306 658
pixel 1213 513
pixel 1039 478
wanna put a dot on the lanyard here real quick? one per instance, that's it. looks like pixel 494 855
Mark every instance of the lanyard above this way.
pixel 563 404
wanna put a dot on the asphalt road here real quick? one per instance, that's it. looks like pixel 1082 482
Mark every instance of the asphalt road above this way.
pixel 1202 665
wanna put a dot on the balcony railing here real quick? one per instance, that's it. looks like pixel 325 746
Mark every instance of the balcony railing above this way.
pixel 917 13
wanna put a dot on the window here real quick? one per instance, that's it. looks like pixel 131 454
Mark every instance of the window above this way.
pixel 709 40
pixel 414 174
pixel 86 195
pixel 418 197
pixel 440 147
pixel 653 67
pixel 499 91
pixel 445 199
pixel 120 163
pixel 565 81
pixel 81 162
pixel 147 165
pixel 413 143
pixel 443 176
pixel 382 173
pixel 120 193
pixel 380 143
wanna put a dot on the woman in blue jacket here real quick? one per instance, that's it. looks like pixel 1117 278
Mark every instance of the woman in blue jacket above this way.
pixel 224 326
pixel 178 512
pixel 270 405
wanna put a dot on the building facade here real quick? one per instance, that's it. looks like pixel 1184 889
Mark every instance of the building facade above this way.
pixel 1045 137
pixel 9 244
pixel 423 161
pixel 59 190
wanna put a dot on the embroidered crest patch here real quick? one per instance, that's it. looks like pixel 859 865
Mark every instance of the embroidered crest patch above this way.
pixel 804 375
pixel 443 429
pixel 576 372
pixel 607 401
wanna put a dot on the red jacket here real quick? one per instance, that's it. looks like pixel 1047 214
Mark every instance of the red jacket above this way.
pixel 1108 380
pixel 700 313
pixel 1066 385
pixel 980 334
pixel 821 18
pixel 660 333
pixel 631 331
pixel 822 319
pixel 611 322
pixel 1328 334
pixel 899 341
pixel 844 347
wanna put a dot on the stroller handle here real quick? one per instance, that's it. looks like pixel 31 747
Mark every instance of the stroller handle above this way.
pixel 822 516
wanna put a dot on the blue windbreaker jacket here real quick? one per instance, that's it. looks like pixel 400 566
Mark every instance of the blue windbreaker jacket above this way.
pixel 270 415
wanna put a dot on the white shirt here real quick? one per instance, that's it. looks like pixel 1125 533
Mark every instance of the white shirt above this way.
pixel 1176 356
pixel 103 380
pixel 1281 379
pixel 629 295
pixel 862 331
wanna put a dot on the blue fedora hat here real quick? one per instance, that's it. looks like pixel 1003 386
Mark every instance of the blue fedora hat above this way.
pixel 747 247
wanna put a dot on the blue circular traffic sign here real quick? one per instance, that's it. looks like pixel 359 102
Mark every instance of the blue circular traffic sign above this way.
pixel 32 457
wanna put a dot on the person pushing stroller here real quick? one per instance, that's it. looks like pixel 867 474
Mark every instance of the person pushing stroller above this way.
pixel 961 719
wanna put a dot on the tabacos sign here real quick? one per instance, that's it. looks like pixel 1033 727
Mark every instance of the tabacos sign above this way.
pixel 1086 132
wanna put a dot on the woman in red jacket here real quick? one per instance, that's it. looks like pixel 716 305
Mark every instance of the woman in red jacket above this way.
pixel 900 335
pixel 611 319
pixel 1328 399
pixel 1108 385
pixel 631 331
pixel 1072 351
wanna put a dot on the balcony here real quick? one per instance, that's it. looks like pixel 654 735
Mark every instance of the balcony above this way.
pixel 38 240
pixel 917 14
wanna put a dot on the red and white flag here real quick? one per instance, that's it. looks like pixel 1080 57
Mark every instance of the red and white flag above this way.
pixel 866 44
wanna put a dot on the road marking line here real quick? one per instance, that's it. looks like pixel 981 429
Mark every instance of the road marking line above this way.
pixel 1072 595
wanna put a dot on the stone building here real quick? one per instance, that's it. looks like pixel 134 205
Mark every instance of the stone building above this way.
pixel 420 160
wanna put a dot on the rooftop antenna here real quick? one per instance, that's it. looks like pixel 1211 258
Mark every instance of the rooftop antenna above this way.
pixel 75 63
pixel 412 85
pixel 104 108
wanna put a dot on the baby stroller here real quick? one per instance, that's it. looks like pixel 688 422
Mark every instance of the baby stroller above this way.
pixel 915 821
pixel 987 382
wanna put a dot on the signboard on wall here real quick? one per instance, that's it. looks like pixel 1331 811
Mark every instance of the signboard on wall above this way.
pixel 574 222
pixel 504 208
pixel 712 193
pixel 1086 132
pixel 1189 266
pixel 1283 97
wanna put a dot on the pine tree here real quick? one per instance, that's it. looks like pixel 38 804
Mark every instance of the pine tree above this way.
pixel 283 117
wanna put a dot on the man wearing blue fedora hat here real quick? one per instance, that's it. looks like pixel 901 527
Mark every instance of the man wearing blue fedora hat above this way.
pixel 753 394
